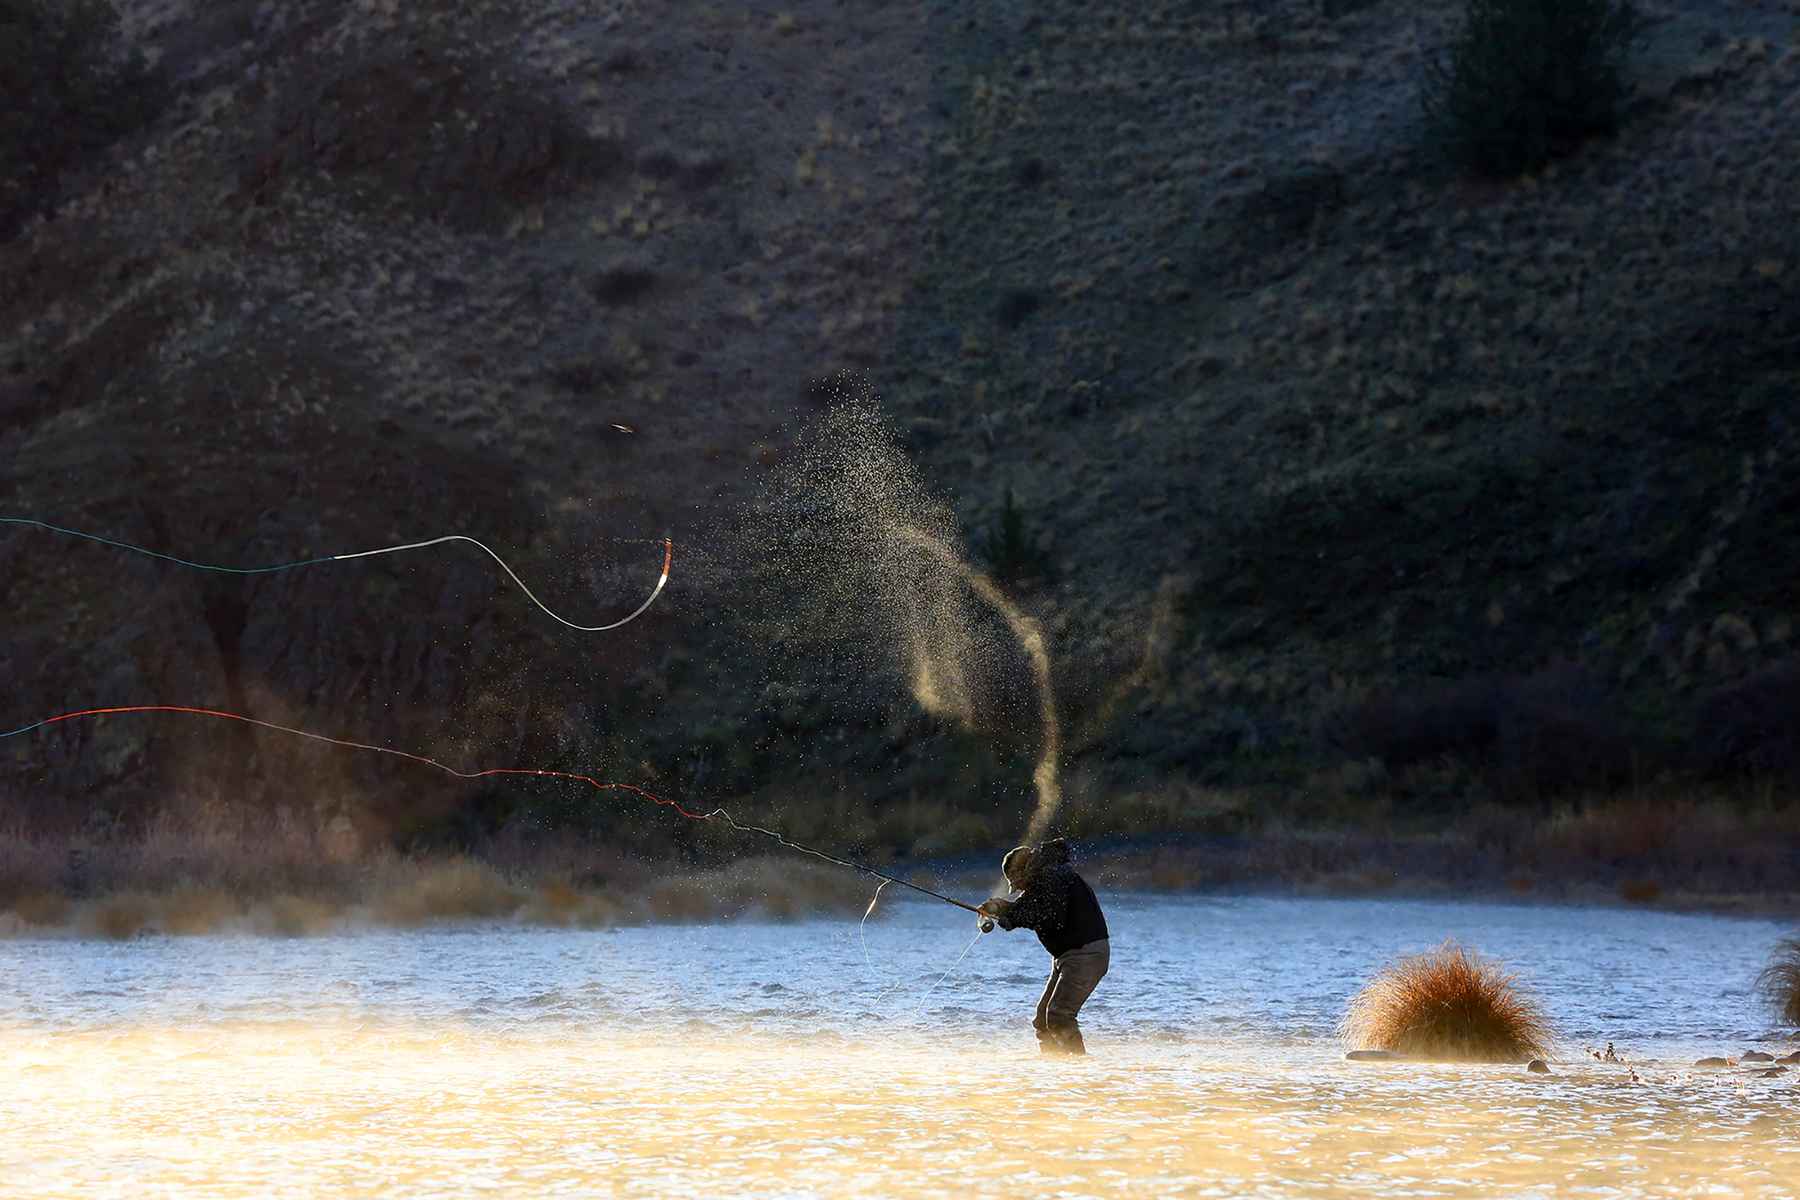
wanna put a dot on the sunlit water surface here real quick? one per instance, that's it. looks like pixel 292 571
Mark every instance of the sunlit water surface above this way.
pixel 754 1059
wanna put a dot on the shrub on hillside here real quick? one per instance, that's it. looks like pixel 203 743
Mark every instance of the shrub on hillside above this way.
pixel 1752 726
pixel 67 87
pixel 1448 1004
pixel 1525 80
pixel 1551 731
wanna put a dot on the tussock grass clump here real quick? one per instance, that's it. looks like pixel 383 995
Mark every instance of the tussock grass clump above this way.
pixel 1779 982
pixel 1447 1004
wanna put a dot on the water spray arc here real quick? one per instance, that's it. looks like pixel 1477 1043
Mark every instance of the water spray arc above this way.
pixel 662 581
pixel 861 531
pixel 1031 639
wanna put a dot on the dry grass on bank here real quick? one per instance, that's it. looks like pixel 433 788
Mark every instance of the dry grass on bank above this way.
pixel 780 888
pixel 285 883
pixel 1447 1004
pixel 1668 844
pixel 1779 982
pixel 459 890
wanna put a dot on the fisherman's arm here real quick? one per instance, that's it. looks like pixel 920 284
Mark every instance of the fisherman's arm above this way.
pixel 1035 908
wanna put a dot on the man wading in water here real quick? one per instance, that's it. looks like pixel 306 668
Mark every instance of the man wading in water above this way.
pixel 1059 906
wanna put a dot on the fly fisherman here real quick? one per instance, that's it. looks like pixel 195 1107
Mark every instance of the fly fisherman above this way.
pixel 1059 906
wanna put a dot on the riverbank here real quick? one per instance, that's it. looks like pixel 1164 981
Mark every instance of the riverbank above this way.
pixel 157 885
pixel 1679 851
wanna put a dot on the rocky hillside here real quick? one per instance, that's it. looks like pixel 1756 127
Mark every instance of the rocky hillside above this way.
pixel 1318 441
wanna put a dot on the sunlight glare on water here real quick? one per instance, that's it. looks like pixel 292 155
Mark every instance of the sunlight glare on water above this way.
pixel 763 1059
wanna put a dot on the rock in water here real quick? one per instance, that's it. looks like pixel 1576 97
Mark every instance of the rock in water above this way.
pixel 1371 1055
pixel 1712 1062
pixel 1538 1066
pixel 1755 1056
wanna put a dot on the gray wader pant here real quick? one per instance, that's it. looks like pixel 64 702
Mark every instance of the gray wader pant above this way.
pixel 1073 978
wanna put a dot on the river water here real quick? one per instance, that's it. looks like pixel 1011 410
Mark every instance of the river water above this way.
pixel 798 1059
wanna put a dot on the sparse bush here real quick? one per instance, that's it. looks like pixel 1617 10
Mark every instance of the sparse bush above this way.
pixel 1526 80
pixel 1779 982
pixel 67 87
pixel 1448 1004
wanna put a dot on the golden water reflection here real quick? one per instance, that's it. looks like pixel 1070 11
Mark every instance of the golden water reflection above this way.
pixel 408 1110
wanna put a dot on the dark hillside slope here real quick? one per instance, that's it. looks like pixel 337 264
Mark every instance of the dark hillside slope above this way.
pixel 1296 417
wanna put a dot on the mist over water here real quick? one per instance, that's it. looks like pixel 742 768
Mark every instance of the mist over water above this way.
pixel 769 1059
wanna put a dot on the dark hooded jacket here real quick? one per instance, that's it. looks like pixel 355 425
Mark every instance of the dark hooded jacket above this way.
pixel 1056 903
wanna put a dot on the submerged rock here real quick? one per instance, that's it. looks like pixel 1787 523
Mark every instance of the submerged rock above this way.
pixel 1712 1062
pixel 1755 1056
pixel 1772 1072
pixel 1371 1056
pixel 1538 1066
pixel 1793 1058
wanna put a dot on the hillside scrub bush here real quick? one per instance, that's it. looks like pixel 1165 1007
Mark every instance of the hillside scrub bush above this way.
pixel 1526 80
pixel 1752 726
pixel 1550 731
pixel 1447 1004
pixel 68 87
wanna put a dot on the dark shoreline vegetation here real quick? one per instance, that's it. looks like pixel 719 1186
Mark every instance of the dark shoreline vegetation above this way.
pixel 1724 856
pixel 1397 524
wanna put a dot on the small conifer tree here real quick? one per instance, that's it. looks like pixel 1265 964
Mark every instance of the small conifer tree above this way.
pixel 1525 80
pixel 1010 549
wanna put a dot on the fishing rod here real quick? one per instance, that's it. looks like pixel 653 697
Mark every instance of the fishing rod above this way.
pixel 717 814
pixel 782 839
